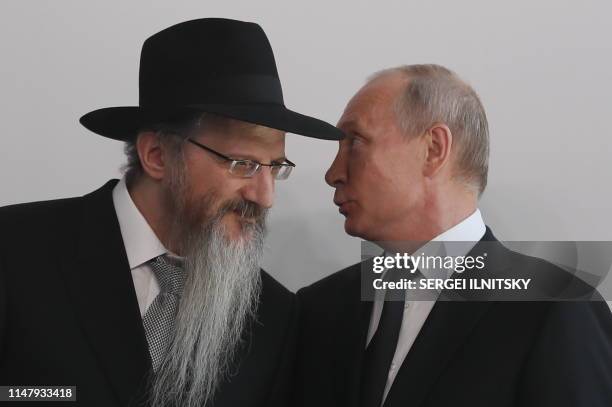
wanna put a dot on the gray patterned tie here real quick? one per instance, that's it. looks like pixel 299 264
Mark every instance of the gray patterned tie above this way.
pixel 159 318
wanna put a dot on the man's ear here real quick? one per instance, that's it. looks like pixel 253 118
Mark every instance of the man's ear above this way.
pixel 150 154
pixel 439 141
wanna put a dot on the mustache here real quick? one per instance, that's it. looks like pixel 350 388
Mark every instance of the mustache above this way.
pixel 246 209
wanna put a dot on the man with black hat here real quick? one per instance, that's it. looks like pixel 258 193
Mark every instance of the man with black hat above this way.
pixel 148 291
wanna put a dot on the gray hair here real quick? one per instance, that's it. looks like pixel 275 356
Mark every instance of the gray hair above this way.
pixel 435 94
pixel 172 135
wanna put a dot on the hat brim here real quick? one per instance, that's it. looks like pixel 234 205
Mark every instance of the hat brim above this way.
pixel 123 122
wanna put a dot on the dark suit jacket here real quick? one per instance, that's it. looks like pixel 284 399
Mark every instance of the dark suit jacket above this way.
pixel 474 353
pixel 69 313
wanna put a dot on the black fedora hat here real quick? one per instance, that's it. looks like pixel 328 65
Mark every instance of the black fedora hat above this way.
pixel 210 65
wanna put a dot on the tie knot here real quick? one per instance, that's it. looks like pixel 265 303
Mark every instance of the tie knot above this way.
pixel 169 273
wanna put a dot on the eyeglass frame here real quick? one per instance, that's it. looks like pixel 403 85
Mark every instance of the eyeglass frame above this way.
pixel 234 161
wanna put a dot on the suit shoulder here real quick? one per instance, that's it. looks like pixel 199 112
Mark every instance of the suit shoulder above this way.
pixel 18 212
pixel 580 318
pixel 551 280
pixel 334 283
pixel 274 290
pixel 36 214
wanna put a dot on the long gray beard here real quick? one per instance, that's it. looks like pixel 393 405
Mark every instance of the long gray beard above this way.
pixel 221 294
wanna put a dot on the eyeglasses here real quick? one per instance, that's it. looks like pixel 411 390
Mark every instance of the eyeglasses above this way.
pixel 248 168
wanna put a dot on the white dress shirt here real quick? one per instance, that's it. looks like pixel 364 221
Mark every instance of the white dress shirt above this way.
pixel 470 230
pixel 141 245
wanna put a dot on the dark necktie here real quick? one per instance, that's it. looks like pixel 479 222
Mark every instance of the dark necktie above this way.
pixel 381 349
pixel 158 320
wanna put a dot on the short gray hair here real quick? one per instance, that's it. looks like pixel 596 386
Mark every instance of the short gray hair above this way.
pixel 435 94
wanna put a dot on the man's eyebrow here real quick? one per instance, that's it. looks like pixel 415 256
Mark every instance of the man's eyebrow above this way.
pixel 351 124
pixel 352 128
pixel 348 123
pixel 280 160
pixel 239 156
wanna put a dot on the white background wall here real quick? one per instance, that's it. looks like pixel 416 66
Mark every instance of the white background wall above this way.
pixel 542 68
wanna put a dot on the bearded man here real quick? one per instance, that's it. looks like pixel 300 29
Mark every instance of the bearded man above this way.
pixel 148 291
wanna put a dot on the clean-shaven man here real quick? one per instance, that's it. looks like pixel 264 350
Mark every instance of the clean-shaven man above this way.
pixel 410 171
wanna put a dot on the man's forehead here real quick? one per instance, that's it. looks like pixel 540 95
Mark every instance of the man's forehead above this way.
pixel 371 102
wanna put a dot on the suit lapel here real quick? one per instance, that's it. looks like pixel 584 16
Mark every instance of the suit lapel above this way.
pixel 444 332
pixel 100 283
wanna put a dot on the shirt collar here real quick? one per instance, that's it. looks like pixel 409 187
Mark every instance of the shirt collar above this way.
pixel 141 243
pixel 471 229
pixel 461 239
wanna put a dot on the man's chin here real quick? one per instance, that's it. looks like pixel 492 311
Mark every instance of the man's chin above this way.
pixel 351 227
pixel 356 229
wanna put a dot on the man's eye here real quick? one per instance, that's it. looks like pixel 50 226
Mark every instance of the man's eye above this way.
pixel 355 140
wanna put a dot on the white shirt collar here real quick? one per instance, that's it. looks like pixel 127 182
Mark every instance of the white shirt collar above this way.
pixel 141 243
pixel 469 231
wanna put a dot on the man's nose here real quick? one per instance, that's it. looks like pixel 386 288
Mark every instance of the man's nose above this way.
pixel 336 174
pixel 259 188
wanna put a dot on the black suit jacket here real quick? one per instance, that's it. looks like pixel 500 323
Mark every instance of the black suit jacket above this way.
pixel 69 313
pixel 485 353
